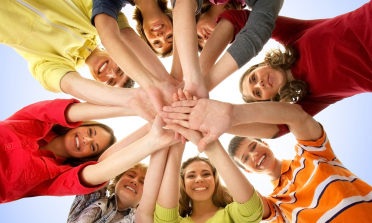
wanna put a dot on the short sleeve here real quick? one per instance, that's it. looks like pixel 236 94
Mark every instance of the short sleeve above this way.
pixel 108 7
pixel 52 112
pixel 237 18
pixel 320 147
pixel 122 21
pixel 164 215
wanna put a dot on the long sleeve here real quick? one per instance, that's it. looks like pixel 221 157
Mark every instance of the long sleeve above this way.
pixel 52 112
pixel 257 31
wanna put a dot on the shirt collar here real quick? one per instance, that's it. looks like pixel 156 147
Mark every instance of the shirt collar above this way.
pixel 285 167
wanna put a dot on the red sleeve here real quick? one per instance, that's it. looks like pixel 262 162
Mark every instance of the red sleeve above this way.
pixel 52 112
pixel 68 183
pixel 287 30
pixel 238 18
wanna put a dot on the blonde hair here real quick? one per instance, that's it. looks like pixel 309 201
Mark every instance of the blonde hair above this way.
pixel 294 90
pixel 220 197
pixel 111 187
pixel 137 16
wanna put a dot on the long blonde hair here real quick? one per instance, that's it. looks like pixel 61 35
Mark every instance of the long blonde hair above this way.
pixel 294 90
pixel 220 197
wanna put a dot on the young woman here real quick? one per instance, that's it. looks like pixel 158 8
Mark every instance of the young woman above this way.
pixel 154 25
pixel 51 154
pixel 203 198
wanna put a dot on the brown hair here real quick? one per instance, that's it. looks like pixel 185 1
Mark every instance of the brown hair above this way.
pixel 220 197
pixel 294 90
pixel 137 15
pixel 61 130
pixel 235 144
pixel 111 187
pixel 230 5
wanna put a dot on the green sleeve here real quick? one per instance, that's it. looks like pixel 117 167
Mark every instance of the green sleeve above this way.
pixel 250 211
pixel 164 215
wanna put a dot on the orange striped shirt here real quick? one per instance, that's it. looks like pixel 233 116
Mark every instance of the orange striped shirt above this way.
pixel 316 187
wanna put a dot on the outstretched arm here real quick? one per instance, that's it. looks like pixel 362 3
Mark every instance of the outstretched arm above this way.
pixel 154 176
pixel 127 157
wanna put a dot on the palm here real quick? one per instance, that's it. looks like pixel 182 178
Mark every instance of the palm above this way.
pixel 161 94
pixel 141 105
pixel 199 91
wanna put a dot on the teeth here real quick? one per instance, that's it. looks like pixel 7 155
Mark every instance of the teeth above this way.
pixel 200 188
pixel 157 27
pixel 77 143
pixel 130 189
pixel 262 158
pixel 102 67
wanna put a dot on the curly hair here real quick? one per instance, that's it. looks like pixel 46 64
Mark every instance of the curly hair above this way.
pixel 61 130
pixel 137 16
pixel 111 187
pixel 294 90
pixel 221 196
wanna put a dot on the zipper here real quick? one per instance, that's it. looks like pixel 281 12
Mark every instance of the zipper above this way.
pixel 55 25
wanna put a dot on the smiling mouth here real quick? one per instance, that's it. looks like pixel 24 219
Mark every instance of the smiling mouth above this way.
pixel 128 187
pixel 77 142
pixel 261 160
pixel 200 189
pixel 102 68
pixel 157 27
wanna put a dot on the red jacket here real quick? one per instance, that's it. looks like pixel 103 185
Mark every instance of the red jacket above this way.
pixel 26 171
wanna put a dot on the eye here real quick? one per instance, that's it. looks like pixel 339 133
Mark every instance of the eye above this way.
pixel 141 182
pixel 245 159
pixel 206 174
pixel 200 37
pixel 254 78
pixel 118 70
pixel 130 175
pixel 110 82
pixel 156 42
pixel 170 36
pixel 258 94
pixel 90 132
pixel 190 176
pixel 92 147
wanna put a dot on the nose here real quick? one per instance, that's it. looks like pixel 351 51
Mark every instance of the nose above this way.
pixel 261 83
pixel 111 73
pixel 199 179
pixel 87 140
pixel 253 155
pixel 160 33
pixel 134 182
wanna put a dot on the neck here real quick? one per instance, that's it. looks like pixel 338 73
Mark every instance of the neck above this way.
pixel 201 208
pixel 122 205
pixel 56 146
pixel 277 170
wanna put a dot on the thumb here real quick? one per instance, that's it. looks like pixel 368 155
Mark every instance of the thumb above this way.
pixel 204 142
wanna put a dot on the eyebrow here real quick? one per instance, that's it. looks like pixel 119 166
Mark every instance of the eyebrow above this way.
pixel 241 159
pixel 132 171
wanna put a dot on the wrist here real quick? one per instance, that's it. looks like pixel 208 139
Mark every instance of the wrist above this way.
pixel 235 115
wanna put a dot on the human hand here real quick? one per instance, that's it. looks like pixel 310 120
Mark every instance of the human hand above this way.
pixel 161 136
pixel 211 118
pixel 197 89
pixel 161 94
pixel 140 103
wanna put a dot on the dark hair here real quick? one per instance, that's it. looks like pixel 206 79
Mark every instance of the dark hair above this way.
pixel 220 197
pixel 111 187
pixel 129 83
pixel 137 15
pixel 293 91
pixel 234 144
pixel 230 5
pixel 61 130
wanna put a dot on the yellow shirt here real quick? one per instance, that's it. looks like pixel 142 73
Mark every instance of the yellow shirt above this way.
pixel 54 36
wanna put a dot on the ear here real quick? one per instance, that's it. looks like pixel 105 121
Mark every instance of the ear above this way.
pixel 248 171
pixel 265 144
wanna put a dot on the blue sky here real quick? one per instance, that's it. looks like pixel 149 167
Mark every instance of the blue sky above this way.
pixel 347 122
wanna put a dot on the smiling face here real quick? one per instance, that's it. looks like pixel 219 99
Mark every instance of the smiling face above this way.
pixel 263 83
pixel 159 32
pixel 129 188
pixel 86 141
pixel 104 69
pixel 255 156
pixel 199 181
pixel 205 27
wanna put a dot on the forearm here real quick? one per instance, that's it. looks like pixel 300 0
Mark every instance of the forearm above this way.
pixel 154 176
pixel 176 70
pixel 220 71
pixel 94 92
pixel 184 26
pixel 87 111
pixel 255 130
pixel 236 182
pixel 170 186
pixel 109 33
pixel 123 160
pixel 126 141
pixel 216 44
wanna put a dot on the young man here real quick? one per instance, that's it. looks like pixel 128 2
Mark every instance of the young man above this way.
pixel 314 186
